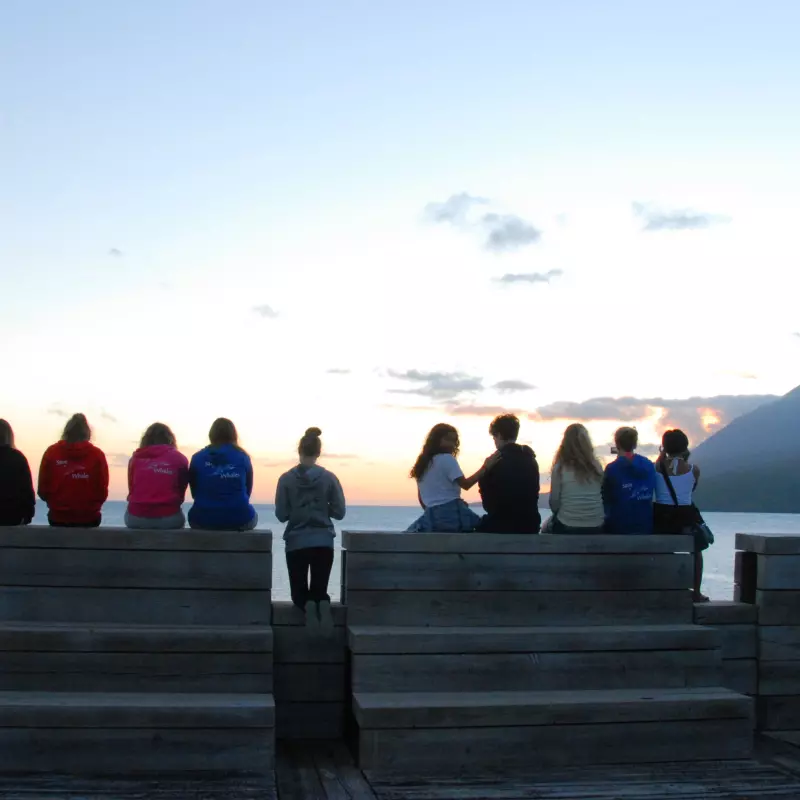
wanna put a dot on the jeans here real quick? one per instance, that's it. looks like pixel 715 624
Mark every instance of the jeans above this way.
pixel 249 526
pixel 317 560
pixel 171 523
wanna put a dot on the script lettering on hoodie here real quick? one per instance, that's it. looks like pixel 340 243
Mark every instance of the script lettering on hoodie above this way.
pixel 225 472
pixel 161 469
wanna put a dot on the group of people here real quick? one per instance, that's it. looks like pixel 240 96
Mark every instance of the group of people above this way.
pixel 73 482
pixel 632 495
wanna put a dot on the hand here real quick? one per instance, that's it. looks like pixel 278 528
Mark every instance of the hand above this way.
pixel 492 460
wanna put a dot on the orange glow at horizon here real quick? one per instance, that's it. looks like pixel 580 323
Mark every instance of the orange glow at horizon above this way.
pixel 709 419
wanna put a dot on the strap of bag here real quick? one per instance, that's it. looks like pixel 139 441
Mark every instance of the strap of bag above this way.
pixel 669 484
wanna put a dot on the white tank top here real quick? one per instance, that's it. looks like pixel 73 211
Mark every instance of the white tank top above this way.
pixel 682 484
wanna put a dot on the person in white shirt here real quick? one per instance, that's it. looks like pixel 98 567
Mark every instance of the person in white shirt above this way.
pixel 440 481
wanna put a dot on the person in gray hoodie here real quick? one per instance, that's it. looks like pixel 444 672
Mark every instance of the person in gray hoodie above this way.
pixel 309 498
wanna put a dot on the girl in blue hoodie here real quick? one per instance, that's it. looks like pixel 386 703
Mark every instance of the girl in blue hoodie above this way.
pixel 309 498
pixel 221 482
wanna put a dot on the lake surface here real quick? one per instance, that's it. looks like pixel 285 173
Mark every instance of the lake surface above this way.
pixel 717 584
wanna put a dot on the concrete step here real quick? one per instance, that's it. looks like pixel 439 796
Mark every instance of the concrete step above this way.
pixel 448 733
pixel 395 659
pixel 125 733
pixel 135 658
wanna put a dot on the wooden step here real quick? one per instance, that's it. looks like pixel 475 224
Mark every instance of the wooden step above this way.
pixel 135 658
pixel 517 659
pixel 478 732
pixel 124 733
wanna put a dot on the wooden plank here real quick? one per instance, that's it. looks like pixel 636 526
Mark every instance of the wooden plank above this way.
pixel 725 612
pixel 396 542
pixel 740 675
pixel 309 720
pixel 547 708
pixel 778 607
pixel 36 536
pixel 515 572
pixel 443 751
pixel 296 645
pixel 129 751
pixel 144 606
pixel 240 673
pixel 778 572
pixel 535 671
pixel 778 678
pixel 349 775
pixel 73 710
pixel 572 638
pixel 517 608
pixel 768 543
pixel 778 713
pixel 138 569
pixel 310 682
pixel 72 638
pixel 285 613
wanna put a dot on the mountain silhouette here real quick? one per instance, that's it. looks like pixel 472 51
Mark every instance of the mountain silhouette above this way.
pixel 753 464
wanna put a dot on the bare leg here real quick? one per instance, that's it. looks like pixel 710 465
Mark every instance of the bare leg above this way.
pixel 699 597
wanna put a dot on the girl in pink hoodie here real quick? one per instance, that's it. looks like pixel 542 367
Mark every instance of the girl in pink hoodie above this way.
pixel 157 479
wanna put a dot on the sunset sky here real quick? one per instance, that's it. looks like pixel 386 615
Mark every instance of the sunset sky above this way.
pixel 375 216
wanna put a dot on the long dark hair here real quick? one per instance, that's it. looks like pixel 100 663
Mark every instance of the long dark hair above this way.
pixel 310 445
pixel 77 429
pixel 158 433
pixel 433 447
pixel 223 431
pixel 6 434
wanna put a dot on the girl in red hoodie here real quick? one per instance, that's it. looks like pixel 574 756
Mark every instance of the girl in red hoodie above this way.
pixel 73 478
pixel 158 475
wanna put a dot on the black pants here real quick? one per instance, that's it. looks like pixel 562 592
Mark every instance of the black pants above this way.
pixel 317 560
pixel 95 523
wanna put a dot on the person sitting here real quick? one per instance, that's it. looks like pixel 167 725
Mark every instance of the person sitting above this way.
pixel 628 486
pixel 73 478
pixel 221 482
pixel 17 498
pixel 440 481
pixel 510 490
pixel 158 474
pixel 576 481
pixel 678 514
pixel 309 498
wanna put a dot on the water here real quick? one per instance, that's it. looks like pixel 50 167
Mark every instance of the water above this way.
pixel 717 583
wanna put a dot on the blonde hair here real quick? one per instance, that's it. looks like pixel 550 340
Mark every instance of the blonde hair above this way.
pixel 577 453
pixel 77 429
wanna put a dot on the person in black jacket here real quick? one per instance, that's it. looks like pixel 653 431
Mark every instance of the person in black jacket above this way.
pixel 17 499
pixel 510 490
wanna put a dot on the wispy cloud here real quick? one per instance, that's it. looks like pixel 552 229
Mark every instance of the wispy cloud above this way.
pixel 340 456
pixel 454 210
pixel 797 334
pixel 468 410
pixel 509 232
pixel 654 219
pixel 117 460
pixel 513 386
pixel 265 311
pixel 108 417
pixel 338 371
pixel 57 411
pixel 115 253
pixel 530 277
pixel 440 386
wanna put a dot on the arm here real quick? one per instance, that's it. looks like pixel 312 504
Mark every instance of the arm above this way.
pixel 193 479
pixel 282 508
pixel 26 489
pixel 249 478
pixel 44 476
pixel 183 479
pixel 696 473
pixel 607 492
pixel 555 490
pixel 102 478
pixel 336 502
pixel 130 478
pixel 419 497
pixel 468 483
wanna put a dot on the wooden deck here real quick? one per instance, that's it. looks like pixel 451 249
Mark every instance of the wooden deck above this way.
pixel 325 771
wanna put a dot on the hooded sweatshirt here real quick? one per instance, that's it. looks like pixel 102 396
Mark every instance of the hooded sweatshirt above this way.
pixel 17 498
pixel 628 487
pixel 510 492
pixel 157 479
pixel 221 480
pixel 73 481
pixel 309 498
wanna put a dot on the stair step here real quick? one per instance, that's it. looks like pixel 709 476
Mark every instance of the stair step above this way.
pixel 482 732
pixel 125 733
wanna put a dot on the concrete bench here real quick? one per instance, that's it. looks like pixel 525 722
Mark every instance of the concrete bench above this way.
pixel 135 651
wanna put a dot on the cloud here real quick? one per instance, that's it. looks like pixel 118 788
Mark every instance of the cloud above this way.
pixel 509 232
pixel 279 462
pixel 338 371
pixel 513 386
pixel 115 253
pixel 340 456
pixel 647 449
pixel 57 411
pixel 530 277
pixel 267 312
pixel 797 334
pixel 440 386
pixel 457 410
pixel 108 417
pixel 699 417
pixel 117 460
pixel 454 210
pixel 678 220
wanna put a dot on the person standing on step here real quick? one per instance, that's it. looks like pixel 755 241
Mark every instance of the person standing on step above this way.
pixel 308 499
pixel 73 478
pixel 17 498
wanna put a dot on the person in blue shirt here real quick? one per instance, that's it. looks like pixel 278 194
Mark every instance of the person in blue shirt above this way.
pixel 628 486
pixel 221 482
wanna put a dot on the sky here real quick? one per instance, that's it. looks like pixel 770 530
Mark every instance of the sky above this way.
pixel 372 217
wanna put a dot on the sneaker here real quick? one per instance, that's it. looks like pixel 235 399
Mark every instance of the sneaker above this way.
pixel 312 619
pixel 325 616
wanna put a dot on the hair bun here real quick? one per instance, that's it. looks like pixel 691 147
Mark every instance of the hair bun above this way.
pixel 313 433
